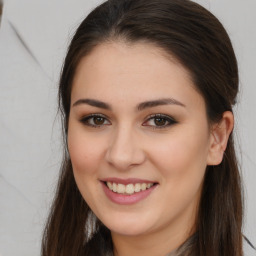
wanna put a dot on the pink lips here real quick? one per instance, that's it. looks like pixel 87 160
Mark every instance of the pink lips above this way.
pixel 124 199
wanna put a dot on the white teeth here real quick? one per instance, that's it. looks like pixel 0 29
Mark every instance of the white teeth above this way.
pixel 110 185
pixel 121 188
pixel 114 187
pixel 143 186
pixel 128 189
pixel 137 187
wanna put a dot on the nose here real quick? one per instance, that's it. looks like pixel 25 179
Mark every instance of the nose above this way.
pixel 125 149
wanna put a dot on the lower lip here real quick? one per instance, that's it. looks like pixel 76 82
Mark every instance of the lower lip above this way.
pixel 127 199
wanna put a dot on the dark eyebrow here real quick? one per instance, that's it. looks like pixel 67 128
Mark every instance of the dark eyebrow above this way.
pixel 159 102
pixel 94 103
pixel 141 106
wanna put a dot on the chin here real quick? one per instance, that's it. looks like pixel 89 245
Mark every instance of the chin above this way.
pixel 128 231
pixel 128 227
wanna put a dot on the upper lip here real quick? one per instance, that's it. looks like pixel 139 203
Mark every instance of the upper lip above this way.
pixel 127 181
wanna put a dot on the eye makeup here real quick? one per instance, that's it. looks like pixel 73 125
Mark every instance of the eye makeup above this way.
pixel 95 120
pixel 154 121
pixel 159 121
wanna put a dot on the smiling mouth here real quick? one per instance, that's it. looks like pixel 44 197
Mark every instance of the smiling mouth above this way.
pixel 128 189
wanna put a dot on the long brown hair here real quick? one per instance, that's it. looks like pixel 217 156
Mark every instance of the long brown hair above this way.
pixel 199 42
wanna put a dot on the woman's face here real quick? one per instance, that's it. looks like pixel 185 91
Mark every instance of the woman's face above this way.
pixel 138 139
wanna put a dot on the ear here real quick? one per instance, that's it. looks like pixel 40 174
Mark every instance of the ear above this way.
pixel 220 133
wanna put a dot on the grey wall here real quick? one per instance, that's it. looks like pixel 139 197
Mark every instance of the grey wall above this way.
pixel 33 39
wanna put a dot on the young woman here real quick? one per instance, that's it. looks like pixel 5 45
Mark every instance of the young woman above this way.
pixel 146 94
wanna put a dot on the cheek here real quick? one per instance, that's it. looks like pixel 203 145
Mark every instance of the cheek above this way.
pixel 181 163
pixel 84 151
pixel 85 155
pixel 182 156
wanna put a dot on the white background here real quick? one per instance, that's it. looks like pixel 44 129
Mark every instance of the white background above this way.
pixel 33 38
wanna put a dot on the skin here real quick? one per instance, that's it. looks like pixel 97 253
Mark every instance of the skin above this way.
pixel 129 144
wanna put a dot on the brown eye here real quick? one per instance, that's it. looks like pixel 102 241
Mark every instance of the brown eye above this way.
pixel 98 120
pixel 95 120
pixel 160 121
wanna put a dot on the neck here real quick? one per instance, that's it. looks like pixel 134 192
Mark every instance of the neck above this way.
pixel 149 244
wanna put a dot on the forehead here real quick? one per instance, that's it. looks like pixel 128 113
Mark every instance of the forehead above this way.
pixel 119 71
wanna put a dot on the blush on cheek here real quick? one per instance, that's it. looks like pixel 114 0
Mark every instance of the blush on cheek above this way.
pixel 82 162
pixel 171 156
pixel 180 158
pixel 80 158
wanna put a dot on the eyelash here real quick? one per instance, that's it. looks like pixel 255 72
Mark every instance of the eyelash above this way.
pixel 85 120
pixel 167 119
